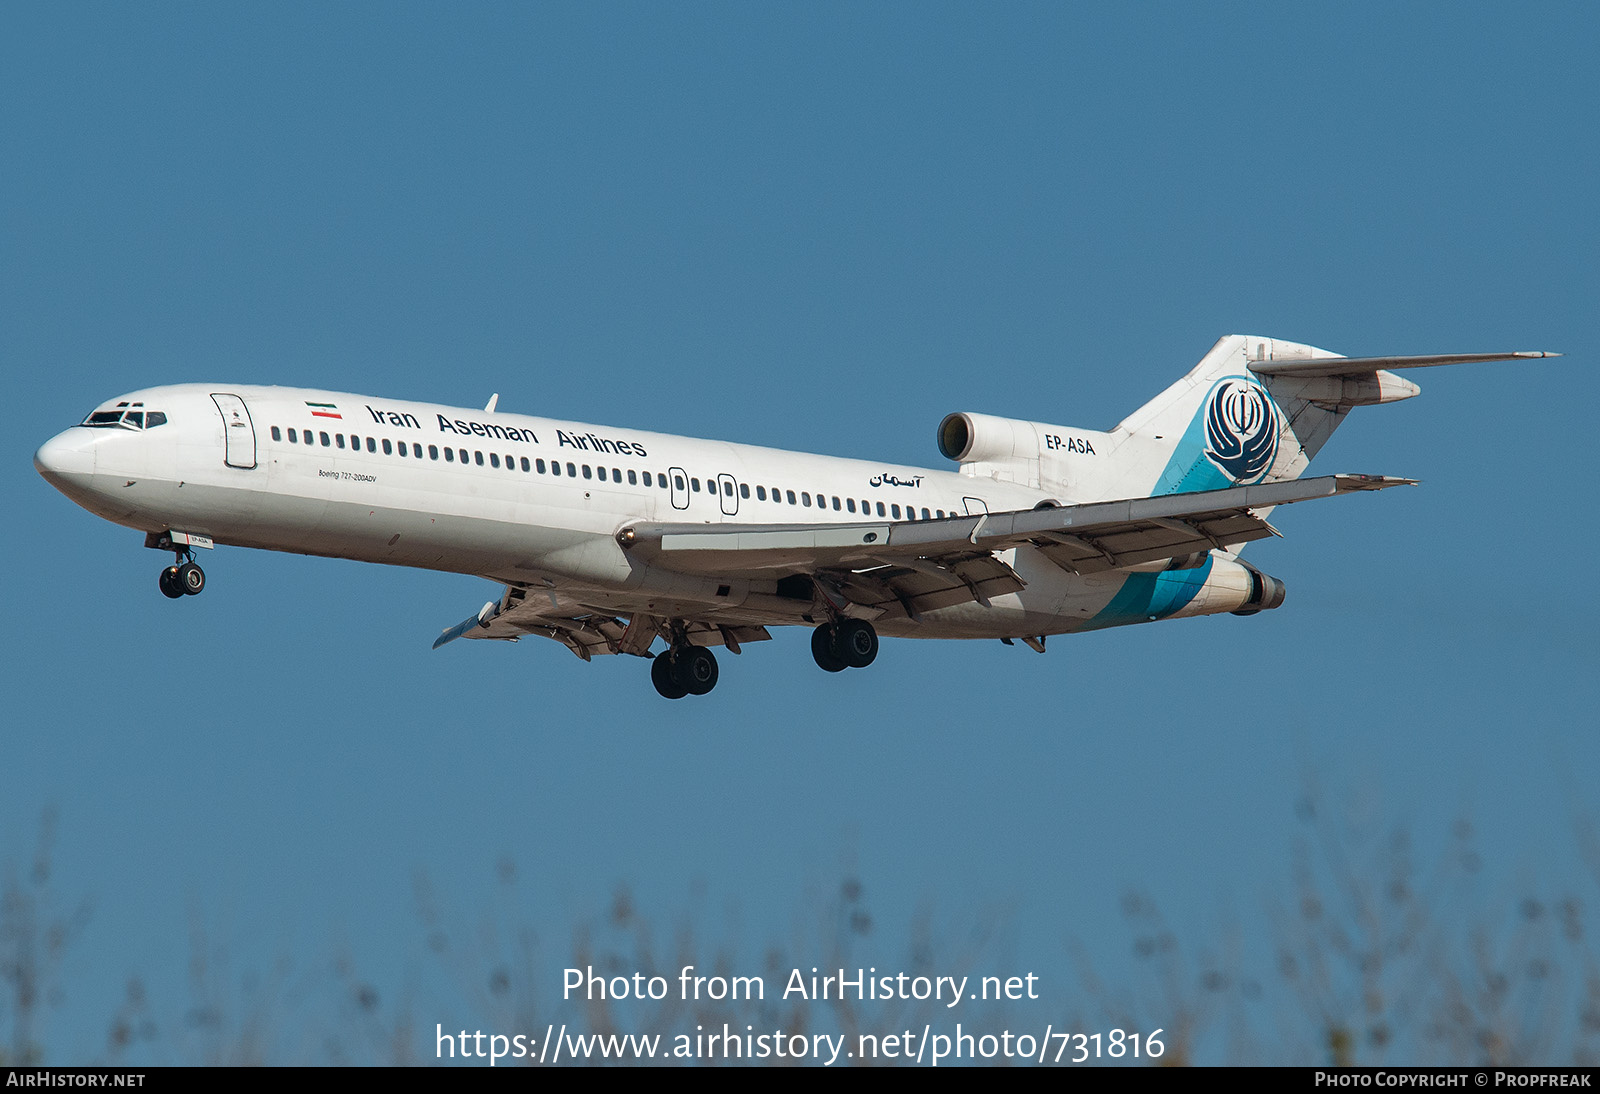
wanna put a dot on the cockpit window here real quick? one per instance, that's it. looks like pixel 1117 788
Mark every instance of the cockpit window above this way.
pixel 134 418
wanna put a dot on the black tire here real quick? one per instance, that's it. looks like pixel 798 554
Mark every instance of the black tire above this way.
pixel 697 669
pixel 169 583
pixel 824 650
pixel 857 643
pixel 665 680
pixel 191 579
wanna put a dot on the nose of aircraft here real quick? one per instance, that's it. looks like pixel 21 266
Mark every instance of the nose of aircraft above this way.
pixel 67 460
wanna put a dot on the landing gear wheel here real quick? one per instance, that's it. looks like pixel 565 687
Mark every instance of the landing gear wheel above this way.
pixel 824 649
pixel 169 583
pixel 857 643
pixel 665 680
pixel 190 578
pixel 697 669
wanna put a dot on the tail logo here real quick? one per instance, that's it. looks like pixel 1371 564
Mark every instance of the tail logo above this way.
pixel 1242 427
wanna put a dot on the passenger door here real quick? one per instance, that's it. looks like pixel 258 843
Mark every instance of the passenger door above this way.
pixel 238 432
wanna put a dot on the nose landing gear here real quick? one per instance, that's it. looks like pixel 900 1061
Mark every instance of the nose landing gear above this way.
pixel 184 579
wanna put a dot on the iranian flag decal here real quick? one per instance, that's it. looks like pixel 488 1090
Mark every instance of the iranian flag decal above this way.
pixel 325 410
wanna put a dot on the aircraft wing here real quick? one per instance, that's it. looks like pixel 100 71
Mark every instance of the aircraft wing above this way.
pixel 1081 538
pixel 525 610
pixel 870 569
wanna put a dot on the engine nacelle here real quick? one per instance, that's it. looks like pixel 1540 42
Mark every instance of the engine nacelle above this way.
pixel 1229 585
pixel 1265 593
pixel 1031 453
pixel 980 438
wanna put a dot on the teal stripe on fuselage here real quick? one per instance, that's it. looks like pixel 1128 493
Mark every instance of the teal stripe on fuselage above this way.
pixel 1151 596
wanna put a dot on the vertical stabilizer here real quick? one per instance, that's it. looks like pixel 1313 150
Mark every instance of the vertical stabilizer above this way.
pixel 1222 425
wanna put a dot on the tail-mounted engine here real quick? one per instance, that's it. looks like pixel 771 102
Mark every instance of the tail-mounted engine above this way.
pixel 1036 454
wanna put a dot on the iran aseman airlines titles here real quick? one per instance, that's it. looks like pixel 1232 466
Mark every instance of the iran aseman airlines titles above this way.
pixel 610 540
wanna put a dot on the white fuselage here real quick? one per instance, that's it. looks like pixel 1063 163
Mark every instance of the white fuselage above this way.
pixel 528 501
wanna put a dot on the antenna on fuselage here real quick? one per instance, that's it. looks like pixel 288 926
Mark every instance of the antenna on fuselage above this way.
pixel 493 399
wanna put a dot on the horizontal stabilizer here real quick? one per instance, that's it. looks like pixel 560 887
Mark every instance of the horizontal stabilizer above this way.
pixel 1352 366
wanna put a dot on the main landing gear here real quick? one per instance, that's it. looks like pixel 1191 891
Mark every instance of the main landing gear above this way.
pixel 684 670
pixel 847 644
pixel 184 579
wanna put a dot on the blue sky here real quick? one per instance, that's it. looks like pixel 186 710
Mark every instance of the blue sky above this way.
pixel 819 227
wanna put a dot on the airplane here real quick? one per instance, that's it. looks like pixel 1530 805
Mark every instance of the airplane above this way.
pixel 608 539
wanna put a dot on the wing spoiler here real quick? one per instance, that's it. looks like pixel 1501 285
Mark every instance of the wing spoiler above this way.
pixel 1088 538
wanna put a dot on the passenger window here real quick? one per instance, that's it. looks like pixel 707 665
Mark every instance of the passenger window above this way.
pixel 416 451
pixel 850 504
pixel 791 496
pixel 555 467
pixel 925 514
pixel 275 434
pixel 388 449
pixel 449 455
pixel 805 499
pixel 679 481
pixel 572 470
pixel 433 452
pixel 633 479
pixel 154 418
pixel 586 473
pixel 881 513
pixel 323 437
pixel 616 474
pixel 477 458
pixel 601 471
pixel 525 464
pixel 661 481
pixel 511 463
pixel 694 485
pixel 293 438
pixel 646 475
pixel 338 439
pixel 538 465
pixel 761 493
pixel 401 446
pixel 494 460
pixel 836 503
pixel 372 444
